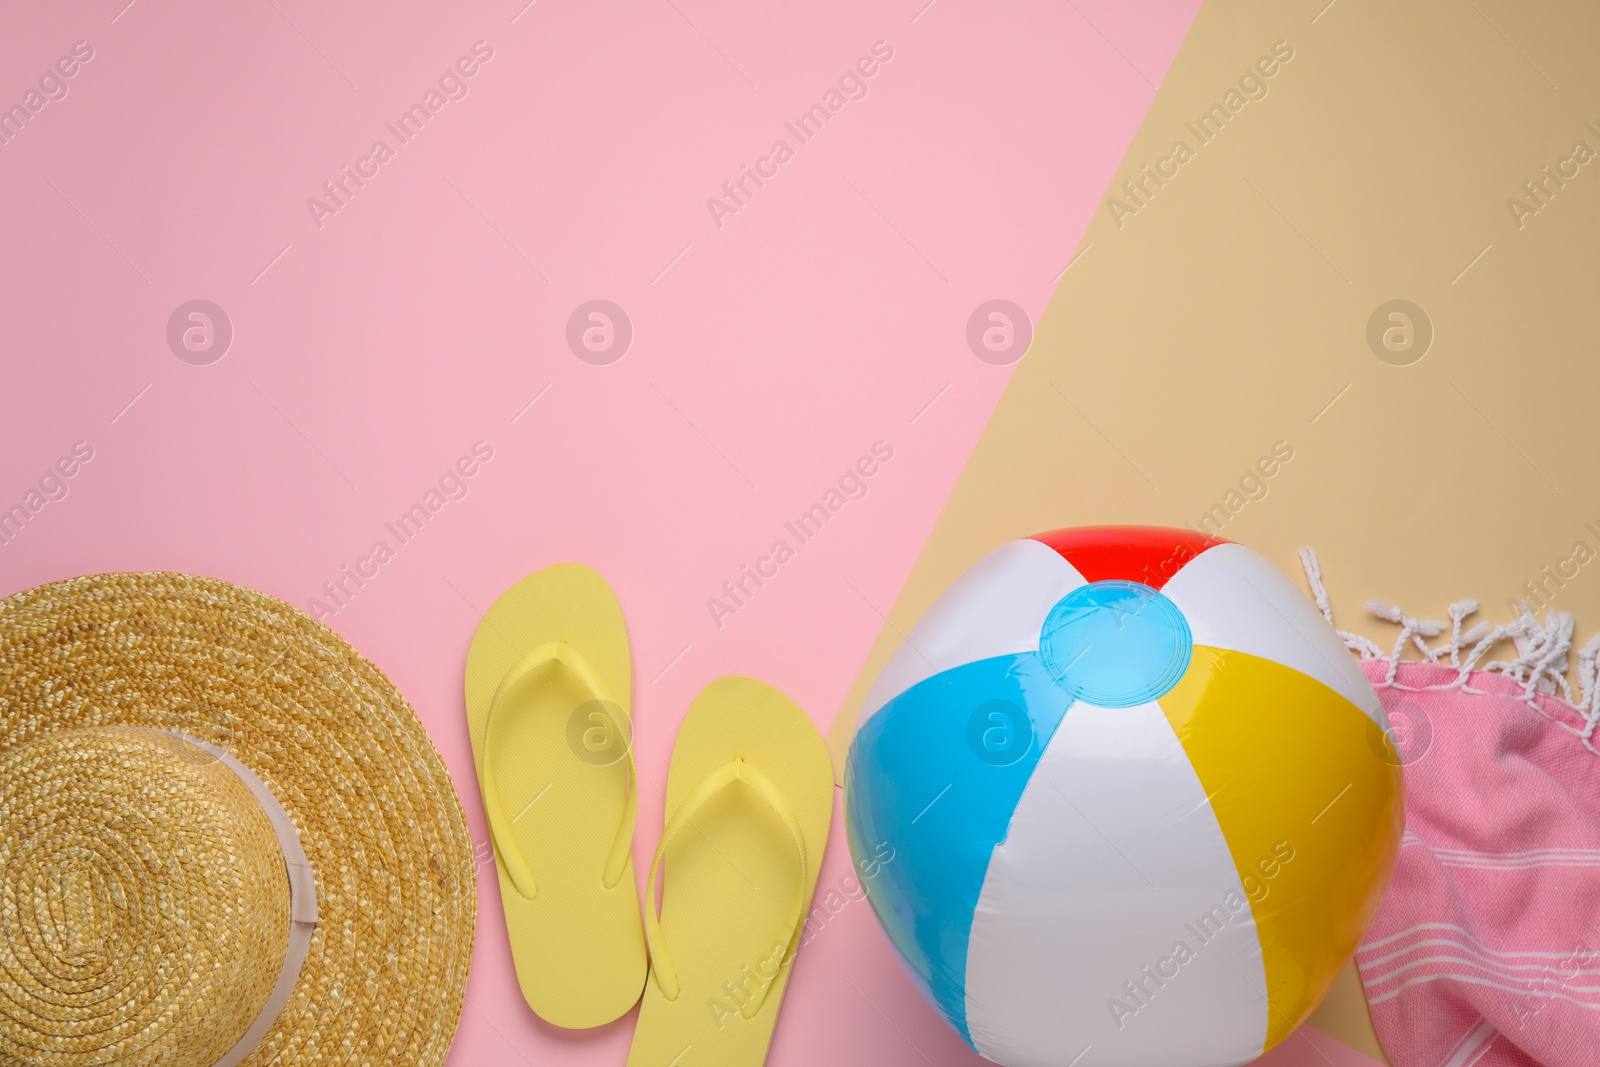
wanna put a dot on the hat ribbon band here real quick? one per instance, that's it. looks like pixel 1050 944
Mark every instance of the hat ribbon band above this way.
pixel 302 901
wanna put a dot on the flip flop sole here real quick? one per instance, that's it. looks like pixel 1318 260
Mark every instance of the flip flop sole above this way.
pixel 562 778
pixel 731 876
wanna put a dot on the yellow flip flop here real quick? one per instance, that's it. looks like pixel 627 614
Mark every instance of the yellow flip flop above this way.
pixel 549 692
pixel 749 800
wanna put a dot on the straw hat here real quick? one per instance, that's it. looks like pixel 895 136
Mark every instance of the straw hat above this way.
pixel 198 786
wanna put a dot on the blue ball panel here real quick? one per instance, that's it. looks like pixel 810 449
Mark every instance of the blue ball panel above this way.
pixel 936 775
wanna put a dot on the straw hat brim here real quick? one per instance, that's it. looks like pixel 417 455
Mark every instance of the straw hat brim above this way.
pixel 336 744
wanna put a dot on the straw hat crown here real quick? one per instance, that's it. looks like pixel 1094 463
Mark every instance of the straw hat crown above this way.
pixel 148 890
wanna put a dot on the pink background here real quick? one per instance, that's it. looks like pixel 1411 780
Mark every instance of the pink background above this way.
pixel 768 354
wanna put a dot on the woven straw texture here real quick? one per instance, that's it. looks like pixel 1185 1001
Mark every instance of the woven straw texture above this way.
pixel 137 922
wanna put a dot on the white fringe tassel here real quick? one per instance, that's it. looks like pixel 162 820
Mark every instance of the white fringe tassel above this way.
pixel 1540 665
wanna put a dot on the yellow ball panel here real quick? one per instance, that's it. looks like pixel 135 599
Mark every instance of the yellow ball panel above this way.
pixel 1307 790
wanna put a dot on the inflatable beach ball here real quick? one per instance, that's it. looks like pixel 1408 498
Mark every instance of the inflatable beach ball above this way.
pixel 1141 802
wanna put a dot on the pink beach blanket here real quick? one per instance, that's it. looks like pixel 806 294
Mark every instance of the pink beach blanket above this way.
pixel 1486 949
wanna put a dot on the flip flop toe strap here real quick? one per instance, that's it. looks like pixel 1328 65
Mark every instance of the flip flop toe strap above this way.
pixel 662 967
pixel 500 825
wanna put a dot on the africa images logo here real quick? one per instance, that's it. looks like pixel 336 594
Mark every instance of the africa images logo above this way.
pixel 852 85
pixel 852 485
pixel 1252 86
pixel 452 85
pixel 1142 989
pixel 51 88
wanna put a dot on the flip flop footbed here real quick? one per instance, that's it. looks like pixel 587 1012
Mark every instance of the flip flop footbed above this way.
pixel 559 776
pixel 731 875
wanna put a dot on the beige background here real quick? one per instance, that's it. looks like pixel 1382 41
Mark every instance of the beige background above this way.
pixel 1231 311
